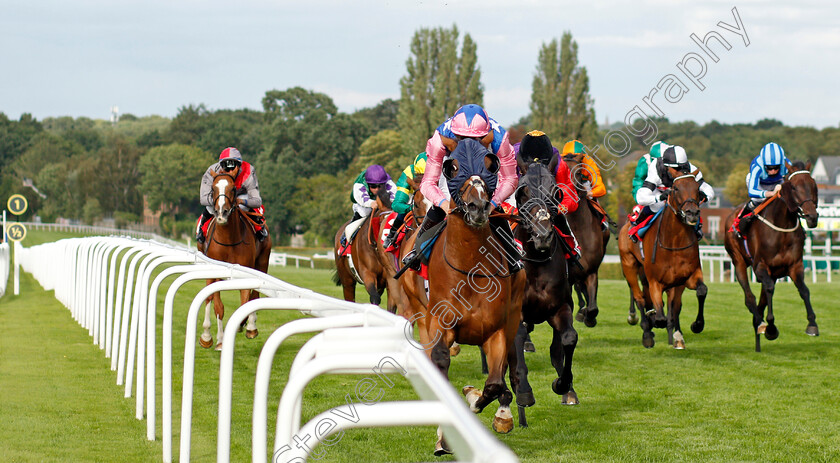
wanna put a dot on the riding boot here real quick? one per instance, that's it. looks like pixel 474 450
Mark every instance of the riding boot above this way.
pixel 433 217
pixel 562 223
pixel 262 234
pixel 501 229
pixel 199 234
pixel 393 232
pixel 343 240
pixel 742 223
pixel 643 215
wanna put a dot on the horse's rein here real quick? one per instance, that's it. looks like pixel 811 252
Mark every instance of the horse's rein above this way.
pixel 679 209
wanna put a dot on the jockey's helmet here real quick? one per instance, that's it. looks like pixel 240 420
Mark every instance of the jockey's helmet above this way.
pixel 536 147
pixel 574 148
pixel 675 157
pixel 376 174
pixel 772 155
pixel 230 159
pixel 470 121
pixel 657 148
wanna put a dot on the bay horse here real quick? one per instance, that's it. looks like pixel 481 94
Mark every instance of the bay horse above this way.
pixel 548 295
pixel 231 239
pixel 592 238
pixel 773 246
pixel 365 259
pixel 671 260
pixel 473 297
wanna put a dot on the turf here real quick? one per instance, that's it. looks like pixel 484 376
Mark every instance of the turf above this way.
pixel 717 400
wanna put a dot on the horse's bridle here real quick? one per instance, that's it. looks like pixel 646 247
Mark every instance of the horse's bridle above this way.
pixel 799 211
pixel 232 197
pixel 679 211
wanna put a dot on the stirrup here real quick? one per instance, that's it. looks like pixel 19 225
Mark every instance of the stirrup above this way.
pixel 411 260
pixel 199 237
pixel 262 234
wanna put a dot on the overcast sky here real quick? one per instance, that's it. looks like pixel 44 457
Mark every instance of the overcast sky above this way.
pixel 81 57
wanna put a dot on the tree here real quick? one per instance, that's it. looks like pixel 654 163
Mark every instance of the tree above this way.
pixel 438 81
pixel 117 173
pixel 172 177
pixel 560 101
pixel 186 127
pixel 308 201
pixel 736 185
pixel 381 117
pixel 386 149
pixel 16 137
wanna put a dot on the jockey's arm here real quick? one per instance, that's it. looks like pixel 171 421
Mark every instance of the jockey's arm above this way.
pixel 360 195
pixel 640 175
pixel 205 193
pixel 598 187
pixel 403 195
pixel 564 182
pixel 648 194
pixel 753 186
pixel 252 190
pixel 705 188
pixel 434 163
pixel 507 171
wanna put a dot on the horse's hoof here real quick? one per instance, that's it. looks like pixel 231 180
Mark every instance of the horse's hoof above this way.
pixel 679 344
pixel 812 330
pixel 697 327
pixel 525 399
pixel 648 341
pixel 529 347
pixel 472 394
pixel 632 319
pixel 503 421
pixel 205 344
pixel 570 398
pixel 455 350
pixel 219 347
pixel 559 388
pixel 771 332
pixel 441 448
pixel 762 328
pixel 251 334
pixel 579 315
pixel 660 322
pixel 590 322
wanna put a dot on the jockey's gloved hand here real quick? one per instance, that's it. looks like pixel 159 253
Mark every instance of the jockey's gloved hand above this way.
pixel 663 196
pixel 703 196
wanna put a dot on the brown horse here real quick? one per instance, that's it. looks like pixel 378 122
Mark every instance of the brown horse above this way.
pixel 774 245
pixel 671 260
pixel 473 297
pixel 592 238
pixel 230 238
pixel 548 296
pixel 365 259
pixel 412 287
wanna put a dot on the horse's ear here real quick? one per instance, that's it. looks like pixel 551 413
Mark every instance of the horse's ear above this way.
pixel 449 143
pixel 552 165
pixel 789 167
pixel 521 164
pixel 491 162
pixel 213 173
pixel 415 182
pixel 787 192
pixel 808 166
pixel 696 171
pixel 487 139
pixel 450 168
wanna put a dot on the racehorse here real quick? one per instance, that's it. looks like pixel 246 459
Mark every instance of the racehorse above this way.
pixel 773 247
pixel 592 238
pixel 473 297
pixel 548 296
pixel 365 259
pixel 231 239
pixel 671 259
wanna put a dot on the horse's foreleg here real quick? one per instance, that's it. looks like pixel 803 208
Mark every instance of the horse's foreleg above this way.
pixel 206 339
pixel 797 274
pixel 519 375
pixel 631 275
pixel 657 312
pixel 768 288
pixel 582 303
pixel 591 300
pixel 562 350
pixel 696 283
pixel 740 268
pixel 675 303
pixel 496 347
pixel 251 330
pixel 219 309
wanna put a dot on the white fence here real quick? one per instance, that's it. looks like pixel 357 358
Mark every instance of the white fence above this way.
pixel 5 263
pixel 107 285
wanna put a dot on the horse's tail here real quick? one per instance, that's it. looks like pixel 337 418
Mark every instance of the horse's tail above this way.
pixel 335 278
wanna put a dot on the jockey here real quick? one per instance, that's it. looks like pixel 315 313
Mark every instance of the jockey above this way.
pixel 645 163
pixel 469 121
pixel 536 147
pixel 247 190
pixel 365 188
pixel 593 182
pixel 642 168
pixel 402 200
pixel 767 172
pixel 654 191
